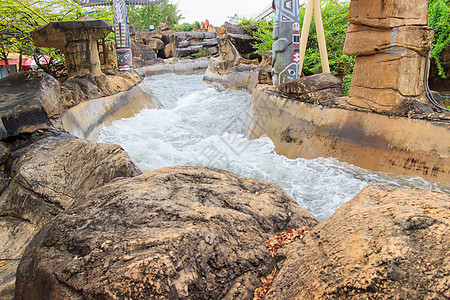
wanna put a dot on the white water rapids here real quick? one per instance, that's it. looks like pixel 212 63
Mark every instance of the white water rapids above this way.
pixel 201 124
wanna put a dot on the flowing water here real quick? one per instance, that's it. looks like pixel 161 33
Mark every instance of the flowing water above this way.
pixel 201 124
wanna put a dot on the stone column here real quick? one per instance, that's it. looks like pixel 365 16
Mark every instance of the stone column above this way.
pixel 390 40
pixel 77 40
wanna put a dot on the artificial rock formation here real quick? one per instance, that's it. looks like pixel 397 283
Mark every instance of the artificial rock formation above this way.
pixel 173 233
pixel 46 178
pixel 391 42
pixel 78 41
pixel 318 89
pixel 385 243
pixel 28 102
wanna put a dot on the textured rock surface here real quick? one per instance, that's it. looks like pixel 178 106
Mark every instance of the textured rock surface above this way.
pixel 80 89
pixel 174 233
pixel 319 88
pixel 384 243
pixel 78 41
pixel 28 102
pixel 388 13
pixel 365 40
pixel 47 177
pixel 391 41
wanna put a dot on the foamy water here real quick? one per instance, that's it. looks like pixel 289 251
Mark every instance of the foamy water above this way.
pixel 201 124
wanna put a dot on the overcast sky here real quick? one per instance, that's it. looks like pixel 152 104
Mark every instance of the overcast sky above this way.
pixel 218 11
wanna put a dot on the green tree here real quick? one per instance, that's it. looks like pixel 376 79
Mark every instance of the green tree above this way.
pixel 19 17
pixel 439 20
pixel 164 13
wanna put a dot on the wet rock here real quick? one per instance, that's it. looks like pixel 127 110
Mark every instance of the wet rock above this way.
pixel 29 102
pixel 319 88
pixel 180 232
pixel 384 243
pixel 47 177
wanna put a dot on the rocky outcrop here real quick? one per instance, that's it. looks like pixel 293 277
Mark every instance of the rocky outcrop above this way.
pixel 28 102
pixel 242 40
pixel 318 89
pixel 88 87
pixel 384 243
pixel 230 69
pixel 180 232
pixel 46 178
pixel 170 43
pixel 174 65
pixel 391 41
pixel 399 145
pixel 78 41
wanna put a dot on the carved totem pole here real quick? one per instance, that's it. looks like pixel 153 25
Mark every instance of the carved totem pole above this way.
pixel 286 46
pixel 121 28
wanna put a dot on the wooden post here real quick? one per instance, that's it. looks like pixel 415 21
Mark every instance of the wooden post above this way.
pixel 321 37
pixel 305 32
pixel 314 5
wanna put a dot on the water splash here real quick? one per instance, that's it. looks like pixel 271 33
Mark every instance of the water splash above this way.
pixel 201 124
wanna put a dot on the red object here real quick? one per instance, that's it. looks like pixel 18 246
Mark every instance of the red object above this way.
pixel 207 23
pixel 202 24
pixel 26 62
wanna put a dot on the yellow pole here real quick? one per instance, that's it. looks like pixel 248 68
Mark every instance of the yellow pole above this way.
pixel 305 32
pixel 321 37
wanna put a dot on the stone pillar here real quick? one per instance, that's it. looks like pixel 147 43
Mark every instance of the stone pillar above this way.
pixel 77 40
pixel 110 56
pixel 390 40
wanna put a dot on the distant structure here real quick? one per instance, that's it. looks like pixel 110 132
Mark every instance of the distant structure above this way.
pixel 121 28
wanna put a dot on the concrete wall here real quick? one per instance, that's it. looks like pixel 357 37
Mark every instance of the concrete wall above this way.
pixel 377 142
pixel 86 119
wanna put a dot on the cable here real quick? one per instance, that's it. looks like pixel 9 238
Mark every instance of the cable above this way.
pixel 427 87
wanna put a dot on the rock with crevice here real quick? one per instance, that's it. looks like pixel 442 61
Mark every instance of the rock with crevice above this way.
pixel 391 40
pixel 29 101
pixel 318 88
pixel 46 178
pixel 173 233
pixel 384 243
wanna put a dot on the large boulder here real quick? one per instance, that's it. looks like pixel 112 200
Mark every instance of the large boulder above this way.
pixel 173 233
pixel 29 102
pixel 46 178
pixel 143 55
pixel 386 243
pixel 318 88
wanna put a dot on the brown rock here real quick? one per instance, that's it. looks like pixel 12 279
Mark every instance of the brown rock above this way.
pixel 154 44
pixel 317 88
pixel 180 232
pixel 388 13
pixel 143 55
pixel 401 70
pixel 110 56
pixel 267 59
pixel 82 88
pixel 78 41
pixel 47 177
pixel 29 102
pixel 385 243
pixel 365 40
pixel 4 153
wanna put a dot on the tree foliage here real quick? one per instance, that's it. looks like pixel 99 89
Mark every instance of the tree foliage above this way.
pixel 164 13
pixel 439 20
pixel 19 17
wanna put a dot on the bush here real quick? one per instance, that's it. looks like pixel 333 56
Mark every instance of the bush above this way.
pixel 438 19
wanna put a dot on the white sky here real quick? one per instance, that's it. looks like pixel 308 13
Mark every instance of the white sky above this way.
pixel 219 11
